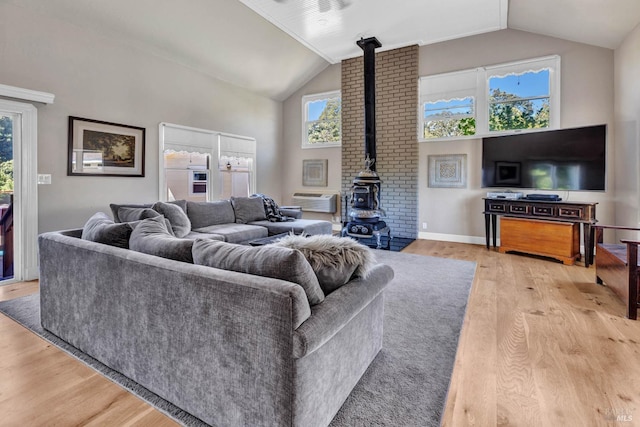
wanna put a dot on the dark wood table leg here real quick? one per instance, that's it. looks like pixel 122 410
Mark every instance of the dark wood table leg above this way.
pixel 494 223
pixel 487 228
pixel 588 244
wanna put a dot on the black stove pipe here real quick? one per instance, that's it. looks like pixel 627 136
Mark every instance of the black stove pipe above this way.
pixel 369 46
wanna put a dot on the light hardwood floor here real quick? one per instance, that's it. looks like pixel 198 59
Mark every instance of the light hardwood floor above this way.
pixel 541 345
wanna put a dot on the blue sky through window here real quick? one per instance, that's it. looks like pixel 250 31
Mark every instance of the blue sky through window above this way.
pixel 524 85
pixel 454 106
pixel 315 108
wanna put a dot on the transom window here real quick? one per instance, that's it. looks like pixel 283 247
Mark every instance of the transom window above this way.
pixel 491 100
pixel 322 117
pixel 519 101
pixel 449 118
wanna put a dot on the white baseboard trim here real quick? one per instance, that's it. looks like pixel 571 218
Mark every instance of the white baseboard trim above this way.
pixel 474 240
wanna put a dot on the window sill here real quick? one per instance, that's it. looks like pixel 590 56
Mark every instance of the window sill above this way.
pixel 321 145
pixel 486 135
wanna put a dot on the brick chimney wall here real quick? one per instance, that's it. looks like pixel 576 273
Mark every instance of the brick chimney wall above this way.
pixel 396 133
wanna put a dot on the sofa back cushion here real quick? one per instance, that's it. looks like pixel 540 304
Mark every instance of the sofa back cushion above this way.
pixel 248 209
pixel 100 228
pixel 180 223
pixel 204 214
pixel 269 261
pixel 151 236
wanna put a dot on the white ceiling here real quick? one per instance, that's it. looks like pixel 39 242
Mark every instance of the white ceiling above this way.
pixel 603 23
pixel 275 51
pixel 332 27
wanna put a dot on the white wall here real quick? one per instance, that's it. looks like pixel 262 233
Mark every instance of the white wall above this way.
pixel 587 99
pixel 293 154
pixel 627 123
pixel 456 214
pixel 98 78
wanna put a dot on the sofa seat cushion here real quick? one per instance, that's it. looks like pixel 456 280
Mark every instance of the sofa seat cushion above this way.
pixel 204 214
pixel 101 229
pixel 309 227
pixel 151 237
pixel 268 261
pixel 193 235
pixel 335 260
pixel 248 209
pixel 235 233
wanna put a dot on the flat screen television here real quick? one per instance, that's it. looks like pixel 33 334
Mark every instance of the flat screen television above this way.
pixel 563 159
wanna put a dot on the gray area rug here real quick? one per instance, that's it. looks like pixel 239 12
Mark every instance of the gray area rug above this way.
pixel 407 383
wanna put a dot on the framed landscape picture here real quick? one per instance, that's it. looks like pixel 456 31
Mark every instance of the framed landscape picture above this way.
pixel 105 149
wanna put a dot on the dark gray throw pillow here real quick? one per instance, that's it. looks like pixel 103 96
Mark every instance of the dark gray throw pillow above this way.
pixel 115 209
pixel 151 237
pixel 100 228
pixel 127 214
pixel 180 223
pixel 248 209
pixel 268 261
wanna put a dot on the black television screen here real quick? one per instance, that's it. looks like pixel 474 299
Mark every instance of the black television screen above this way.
pixel 564 159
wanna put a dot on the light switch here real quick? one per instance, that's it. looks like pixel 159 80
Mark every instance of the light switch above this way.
pixel 44 178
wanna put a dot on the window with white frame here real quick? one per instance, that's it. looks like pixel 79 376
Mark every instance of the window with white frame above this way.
pixel 508 97
pixel 322 120
pixel 448 105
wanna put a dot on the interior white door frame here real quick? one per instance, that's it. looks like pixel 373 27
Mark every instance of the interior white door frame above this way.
pixel 25 199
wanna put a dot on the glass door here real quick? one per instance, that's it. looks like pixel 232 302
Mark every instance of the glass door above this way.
pixel 8 122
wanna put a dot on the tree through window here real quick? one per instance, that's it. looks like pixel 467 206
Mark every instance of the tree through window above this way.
pixel 449 118
pixel 322 115
pixel 494 99
pixel 519 101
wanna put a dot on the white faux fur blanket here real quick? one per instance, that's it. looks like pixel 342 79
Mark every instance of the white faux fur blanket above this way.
pixel 326 250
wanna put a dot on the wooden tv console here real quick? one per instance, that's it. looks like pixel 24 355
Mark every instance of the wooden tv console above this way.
pixel 574 212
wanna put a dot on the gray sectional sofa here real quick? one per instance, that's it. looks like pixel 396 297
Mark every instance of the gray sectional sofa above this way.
pixel 237 220
pixel 229 347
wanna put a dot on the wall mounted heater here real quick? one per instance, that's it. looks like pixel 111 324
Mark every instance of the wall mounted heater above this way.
pixel 315 202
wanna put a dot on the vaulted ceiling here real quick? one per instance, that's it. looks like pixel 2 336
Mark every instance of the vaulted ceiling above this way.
pixel 272 47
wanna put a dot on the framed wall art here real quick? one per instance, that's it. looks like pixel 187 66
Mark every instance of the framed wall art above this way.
pixel 98 148
pixel 448 171
pixel 314 172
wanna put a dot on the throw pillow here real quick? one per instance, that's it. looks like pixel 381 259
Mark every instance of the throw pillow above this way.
pixel 269 261
pixel 100 228
pixel 128 214
pixel 335 260
pixel 180 223
pixel 115 208
pixel 151 237
pixel 248 209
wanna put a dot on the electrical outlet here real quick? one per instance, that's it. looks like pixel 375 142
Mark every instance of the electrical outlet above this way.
pixel 424 225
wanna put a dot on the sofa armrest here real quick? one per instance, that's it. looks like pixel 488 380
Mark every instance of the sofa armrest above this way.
pixel 337 309
pixel 292 211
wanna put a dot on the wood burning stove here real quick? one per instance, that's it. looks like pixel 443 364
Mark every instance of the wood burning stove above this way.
pixel 365 213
